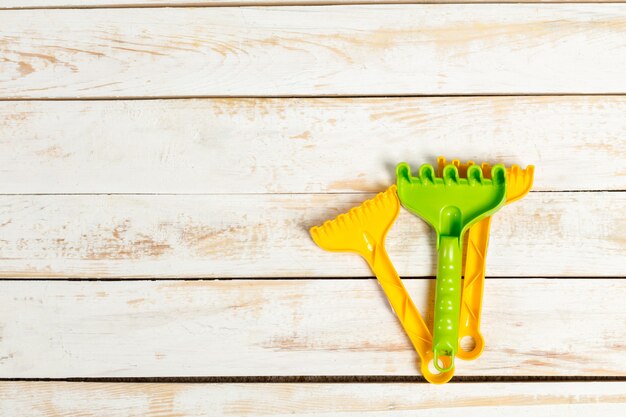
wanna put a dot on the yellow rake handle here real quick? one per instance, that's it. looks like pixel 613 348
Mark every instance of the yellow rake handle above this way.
pixel 473 283
pixel 407 313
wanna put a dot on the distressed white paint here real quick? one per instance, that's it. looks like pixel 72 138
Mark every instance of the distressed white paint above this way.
pixel 302 145
pixel 56 399
pixel 314 50
pixel 533 327
pixel 221 236
pixel 64 329
pixel 18 4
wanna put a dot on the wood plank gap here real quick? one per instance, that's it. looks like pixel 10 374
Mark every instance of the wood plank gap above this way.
pixel 195 279
pixel 218 4
pixel 326 379
pixel 311 96
pixel 352 193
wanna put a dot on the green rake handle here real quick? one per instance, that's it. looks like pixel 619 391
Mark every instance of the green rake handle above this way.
pixel 447 301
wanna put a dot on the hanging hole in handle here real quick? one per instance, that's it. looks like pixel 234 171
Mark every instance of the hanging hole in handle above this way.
pixel 431 373
pixel 473 340
pixel 431 366
pixel 443 365
pixel 468 344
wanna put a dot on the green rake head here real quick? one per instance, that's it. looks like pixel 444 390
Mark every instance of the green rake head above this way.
pixel 450 204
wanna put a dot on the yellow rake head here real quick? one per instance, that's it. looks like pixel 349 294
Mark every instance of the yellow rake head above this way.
pixel 361 229
pixel 518 181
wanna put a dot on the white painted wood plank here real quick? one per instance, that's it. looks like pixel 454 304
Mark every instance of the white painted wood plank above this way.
pixel 58 329
pixel 20 4
pixel 545 234
pixel 325 50
pixel 55 399
pixel 302 145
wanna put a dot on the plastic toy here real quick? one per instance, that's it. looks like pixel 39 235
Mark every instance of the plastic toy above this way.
pixel 451 205
pixel 519 182
pixel 362 230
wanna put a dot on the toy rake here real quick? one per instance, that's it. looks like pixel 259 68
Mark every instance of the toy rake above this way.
pixel 362 230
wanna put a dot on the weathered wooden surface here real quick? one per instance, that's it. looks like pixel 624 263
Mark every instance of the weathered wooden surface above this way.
pixel 56 399
pixel 315 50
pixel 59 329
pixel 222 236
pixel 302 145
pixel 20 4
pixel 227 187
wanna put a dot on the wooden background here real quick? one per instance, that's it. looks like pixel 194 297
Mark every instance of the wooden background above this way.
pixel 161 166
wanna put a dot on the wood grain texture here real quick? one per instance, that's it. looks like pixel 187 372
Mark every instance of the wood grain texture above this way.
pixel 21 4
pixel 545 234
pixel 56 399
pixel 325 50
pixel 302 145
pixel 59 329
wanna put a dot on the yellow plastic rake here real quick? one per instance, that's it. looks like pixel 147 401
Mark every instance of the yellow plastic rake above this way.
pixel 519 182
pixel 363 230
